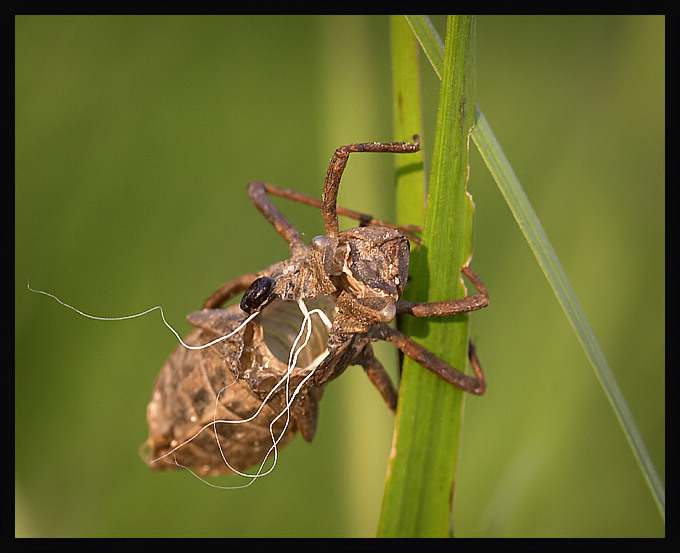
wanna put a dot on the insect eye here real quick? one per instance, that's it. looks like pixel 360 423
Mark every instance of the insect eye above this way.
pixel 258 294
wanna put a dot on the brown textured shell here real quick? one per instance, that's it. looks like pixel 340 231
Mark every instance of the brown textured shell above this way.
pixel 228 381
pixel 205 401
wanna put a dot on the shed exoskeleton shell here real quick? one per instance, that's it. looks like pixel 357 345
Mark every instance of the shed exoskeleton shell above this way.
pixel 228 381
pixel 229 406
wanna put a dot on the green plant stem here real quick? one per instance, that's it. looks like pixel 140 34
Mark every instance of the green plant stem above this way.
pixel 538 241
pixel 420 480
pixel 410 176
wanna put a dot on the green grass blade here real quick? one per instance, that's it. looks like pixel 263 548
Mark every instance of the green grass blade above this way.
pixel 429 40
pixel 538 242
pixel 421 473
pixel 411 187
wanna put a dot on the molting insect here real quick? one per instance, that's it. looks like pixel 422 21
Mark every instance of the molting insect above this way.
pixel 227 407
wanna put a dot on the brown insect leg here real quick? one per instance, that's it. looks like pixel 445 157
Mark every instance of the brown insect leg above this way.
pixel 474 385
pixel 229 290
pixel 258 194
pixel 451 307
pixel 305 411
pixel 363 218
pixel 337 166
pixel 379 378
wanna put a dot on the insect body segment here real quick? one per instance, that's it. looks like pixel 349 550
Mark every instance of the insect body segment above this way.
pixel 228 407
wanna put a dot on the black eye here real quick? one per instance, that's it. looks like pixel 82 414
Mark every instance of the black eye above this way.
pixel 258 294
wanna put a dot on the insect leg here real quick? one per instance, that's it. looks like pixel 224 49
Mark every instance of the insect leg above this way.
pixel 258 194
pixel 474 385
pixel 364 219
pixel 379 377
pixel 305 411
pixel 451 307
pixel 337 166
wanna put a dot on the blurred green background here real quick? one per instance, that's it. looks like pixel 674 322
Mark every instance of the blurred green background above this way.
pixel 135 137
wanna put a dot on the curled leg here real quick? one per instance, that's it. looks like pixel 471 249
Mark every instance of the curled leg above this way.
pixel 451 307
pixel 337 166
pixel 365 220
pixel 472 384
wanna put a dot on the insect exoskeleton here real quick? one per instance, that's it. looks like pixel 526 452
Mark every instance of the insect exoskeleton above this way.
pixel 238 389
pixel 300 323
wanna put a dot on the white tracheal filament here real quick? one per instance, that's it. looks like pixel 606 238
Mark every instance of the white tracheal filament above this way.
pixel 305 328
pixel 157 307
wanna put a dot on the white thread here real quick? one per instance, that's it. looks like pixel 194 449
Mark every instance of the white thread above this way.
pixel 187 346
pixel 292 361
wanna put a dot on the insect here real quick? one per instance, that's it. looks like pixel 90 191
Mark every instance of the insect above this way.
pixel 227 407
